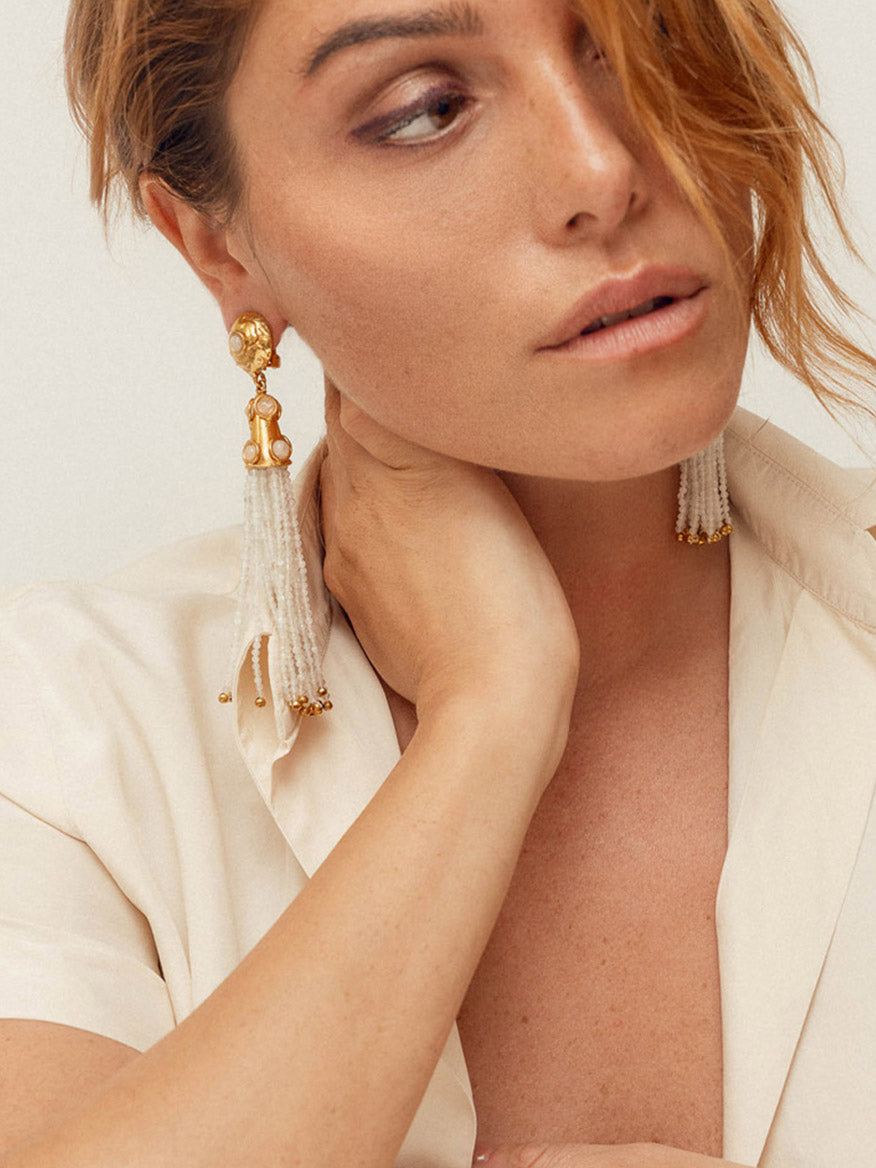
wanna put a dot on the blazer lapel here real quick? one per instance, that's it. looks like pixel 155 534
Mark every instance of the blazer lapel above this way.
pixel 788 863
pixel 802 776
pixel 318 789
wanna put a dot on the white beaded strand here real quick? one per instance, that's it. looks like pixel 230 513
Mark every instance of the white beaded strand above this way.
pixel 257 671
pixel 273 598
pixel 703 500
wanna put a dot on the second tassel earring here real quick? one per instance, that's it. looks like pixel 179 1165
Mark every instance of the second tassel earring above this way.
pixel 703 501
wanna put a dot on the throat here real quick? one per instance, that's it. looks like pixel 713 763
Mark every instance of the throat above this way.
pixel 632 588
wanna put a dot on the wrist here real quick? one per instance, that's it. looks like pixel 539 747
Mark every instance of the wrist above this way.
pixel 503 686
pixel 519 726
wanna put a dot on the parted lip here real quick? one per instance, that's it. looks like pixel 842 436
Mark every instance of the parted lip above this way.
pixel 624 293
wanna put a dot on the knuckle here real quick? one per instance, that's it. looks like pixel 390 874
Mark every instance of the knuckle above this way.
pixel 647 1155
pixel 333 574
pixel 530 1156
pixel 352 419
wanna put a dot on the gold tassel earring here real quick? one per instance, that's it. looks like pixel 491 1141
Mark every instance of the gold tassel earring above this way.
pixel 273 599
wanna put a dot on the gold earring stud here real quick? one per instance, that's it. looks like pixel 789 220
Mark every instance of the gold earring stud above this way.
pixel 251 344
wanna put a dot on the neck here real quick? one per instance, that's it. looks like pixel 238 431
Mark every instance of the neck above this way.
pixel 633 589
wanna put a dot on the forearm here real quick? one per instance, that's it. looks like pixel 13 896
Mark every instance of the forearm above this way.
pixel 326 1035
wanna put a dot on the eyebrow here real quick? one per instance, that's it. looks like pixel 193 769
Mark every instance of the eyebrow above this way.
pixel 452 20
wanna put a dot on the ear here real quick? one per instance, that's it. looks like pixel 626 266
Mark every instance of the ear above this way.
pixel 218 254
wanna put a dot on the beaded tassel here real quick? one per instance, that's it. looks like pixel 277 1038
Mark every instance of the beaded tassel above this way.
pixel 273 599
pixel 703 502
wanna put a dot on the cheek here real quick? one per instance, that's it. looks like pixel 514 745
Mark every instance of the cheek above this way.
pixel 440 349
pixel 387 307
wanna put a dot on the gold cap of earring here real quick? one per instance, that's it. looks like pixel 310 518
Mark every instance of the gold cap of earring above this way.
pixel 251 344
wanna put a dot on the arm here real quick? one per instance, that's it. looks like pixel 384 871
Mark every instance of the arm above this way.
pixel 595 1156
pixel 324 1038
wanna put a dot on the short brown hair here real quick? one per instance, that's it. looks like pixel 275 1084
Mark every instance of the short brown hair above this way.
pixel 716 84
pixel 147 81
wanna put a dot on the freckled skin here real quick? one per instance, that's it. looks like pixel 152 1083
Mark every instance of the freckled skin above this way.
pixel 427 279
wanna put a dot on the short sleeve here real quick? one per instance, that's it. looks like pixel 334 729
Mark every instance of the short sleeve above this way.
pixel 73 948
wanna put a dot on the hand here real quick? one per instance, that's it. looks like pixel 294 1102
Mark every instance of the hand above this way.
pixel 443 580
pixel 595 1156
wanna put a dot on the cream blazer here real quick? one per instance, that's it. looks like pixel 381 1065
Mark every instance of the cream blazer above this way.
pixel 149 836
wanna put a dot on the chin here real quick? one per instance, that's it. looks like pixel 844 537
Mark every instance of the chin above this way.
pixel 630 444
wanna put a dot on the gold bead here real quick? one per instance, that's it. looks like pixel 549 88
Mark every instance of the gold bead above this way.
pixel 322 691
pixel 326 705
pixel 224 697
pixel 261 703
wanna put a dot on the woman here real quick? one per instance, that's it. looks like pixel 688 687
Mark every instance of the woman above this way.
pixel 553 713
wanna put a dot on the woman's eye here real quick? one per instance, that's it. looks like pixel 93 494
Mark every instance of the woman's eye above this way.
pixel 428 119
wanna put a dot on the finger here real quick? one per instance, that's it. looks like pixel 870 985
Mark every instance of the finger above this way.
pixel 566 1156
pixel 349 452
pixel 384 445
pixel 346 421
pixel 521 1156
pixel 332 401
pixel 333 428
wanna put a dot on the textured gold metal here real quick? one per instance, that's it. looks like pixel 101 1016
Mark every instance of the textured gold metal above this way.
pixel 251 344
pixel 267 445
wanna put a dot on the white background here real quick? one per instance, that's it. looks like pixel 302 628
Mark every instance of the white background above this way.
pixel 122 415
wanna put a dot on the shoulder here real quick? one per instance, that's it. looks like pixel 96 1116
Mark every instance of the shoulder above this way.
pixel 756 444
pixel 69 628
pixel 205 563
pixel 85 667
pixel 815 521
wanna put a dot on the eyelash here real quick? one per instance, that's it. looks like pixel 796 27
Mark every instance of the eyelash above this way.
pixel 381 130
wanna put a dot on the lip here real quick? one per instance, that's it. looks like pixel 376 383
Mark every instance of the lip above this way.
pixel 623 293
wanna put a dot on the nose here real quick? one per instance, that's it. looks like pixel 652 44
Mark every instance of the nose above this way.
pixel 586 177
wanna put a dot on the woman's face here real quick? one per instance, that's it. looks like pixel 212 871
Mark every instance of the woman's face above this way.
pixel 432 192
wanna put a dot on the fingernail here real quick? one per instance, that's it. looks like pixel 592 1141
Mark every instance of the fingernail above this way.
pixel 482 1155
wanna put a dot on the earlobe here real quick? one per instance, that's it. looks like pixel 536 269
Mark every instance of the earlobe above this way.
pixel 204 243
